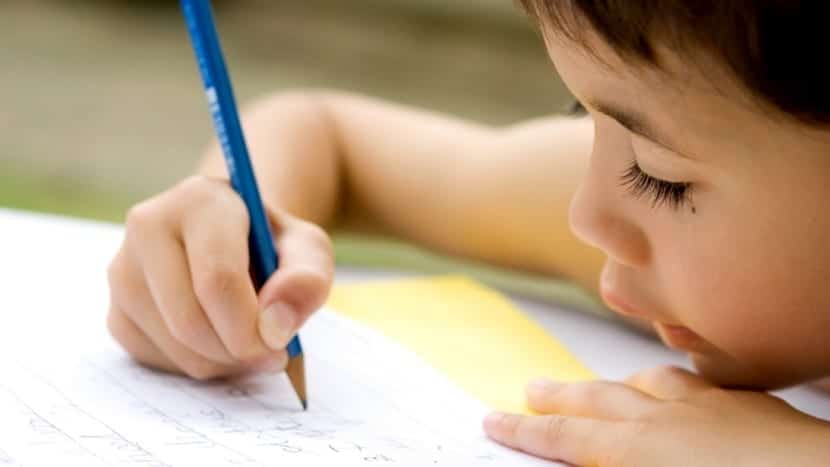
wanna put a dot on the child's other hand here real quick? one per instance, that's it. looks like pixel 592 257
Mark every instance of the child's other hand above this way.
pixel 182 298
pixel 660 418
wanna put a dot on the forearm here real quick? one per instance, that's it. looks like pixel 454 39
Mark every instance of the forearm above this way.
pixel 525 189
pixel 295 156
pixel 338 159
pixel 498 195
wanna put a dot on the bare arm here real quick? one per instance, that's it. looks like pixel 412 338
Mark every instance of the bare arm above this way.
pixel 494 194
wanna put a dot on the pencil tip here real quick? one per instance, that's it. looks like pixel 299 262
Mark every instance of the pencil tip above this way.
pixel 296 374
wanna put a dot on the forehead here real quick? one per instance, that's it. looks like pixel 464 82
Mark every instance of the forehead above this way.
pixel 679 69
pixel 684 94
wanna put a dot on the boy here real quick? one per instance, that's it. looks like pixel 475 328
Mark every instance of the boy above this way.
pixel 700 177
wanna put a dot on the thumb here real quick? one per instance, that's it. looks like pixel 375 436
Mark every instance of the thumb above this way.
pixel 301 283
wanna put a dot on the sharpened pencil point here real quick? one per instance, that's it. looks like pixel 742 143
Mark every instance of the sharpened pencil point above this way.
pixel 296 374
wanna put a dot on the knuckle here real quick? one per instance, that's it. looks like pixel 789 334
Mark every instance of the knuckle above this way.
pixel 197 185
pixel 230 202
pixel 216 278
pixel 116 326
pixel 115 272
pixel 581 394
pixel 323 244
pixel 124 332
pixel 122 287
pixel 202 369
pixel 140 216
pixel 212 193
pixel 512 425
pixel 140 314
pixel 555 429
pixel 589 391
pixel 318 237
pixel 556 393
pixel 186 326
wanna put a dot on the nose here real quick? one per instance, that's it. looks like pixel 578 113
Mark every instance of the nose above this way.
pixel 600 215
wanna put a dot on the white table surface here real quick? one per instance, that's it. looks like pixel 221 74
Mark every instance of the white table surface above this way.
pixel 52 268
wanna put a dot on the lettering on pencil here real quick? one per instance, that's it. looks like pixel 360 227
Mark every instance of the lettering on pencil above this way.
pixel 219 123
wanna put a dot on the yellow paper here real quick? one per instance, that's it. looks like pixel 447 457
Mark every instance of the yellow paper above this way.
pixel 472 334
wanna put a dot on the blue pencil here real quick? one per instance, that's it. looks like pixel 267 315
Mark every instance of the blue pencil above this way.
pixel 264 260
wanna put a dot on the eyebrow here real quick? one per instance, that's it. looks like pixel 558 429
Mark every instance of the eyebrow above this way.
pixel 633 122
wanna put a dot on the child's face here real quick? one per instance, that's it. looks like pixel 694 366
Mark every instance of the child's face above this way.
pixel 734 269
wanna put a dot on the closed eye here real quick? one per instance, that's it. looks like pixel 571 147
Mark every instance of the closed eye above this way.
pixel 661 192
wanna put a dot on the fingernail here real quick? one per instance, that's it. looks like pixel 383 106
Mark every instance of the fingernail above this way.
pixel 540 387
pixel 276 325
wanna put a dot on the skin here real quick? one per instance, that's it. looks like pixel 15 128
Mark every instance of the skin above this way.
pixel 723 265
pixel 733 275
pixel 181 296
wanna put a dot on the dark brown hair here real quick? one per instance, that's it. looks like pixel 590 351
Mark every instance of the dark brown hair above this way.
pixel 776 49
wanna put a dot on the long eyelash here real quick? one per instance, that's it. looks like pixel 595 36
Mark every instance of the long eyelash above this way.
pixel 639 184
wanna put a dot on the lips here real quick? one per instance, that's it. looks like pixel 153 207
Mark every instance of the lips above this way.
pixel 680 337
pixel 674 336
pixel 618 304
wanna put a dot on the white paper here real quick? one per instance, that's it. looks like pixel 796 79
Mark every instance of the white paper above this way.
pixel 371 402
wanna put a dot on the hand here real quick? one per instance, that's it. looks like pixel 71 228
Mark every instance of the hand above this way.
pixel 663 417
pixel 182 299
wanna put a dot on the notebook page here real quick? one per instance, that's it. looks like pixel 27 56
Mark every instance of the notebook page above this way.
pixel 372 402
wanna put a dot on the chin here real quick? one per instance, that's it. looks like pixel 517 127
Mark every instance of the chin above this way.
pixel 727 372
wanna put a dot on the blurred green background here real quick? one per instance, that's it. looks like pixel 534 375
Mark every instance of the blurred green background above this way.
pixel 101 104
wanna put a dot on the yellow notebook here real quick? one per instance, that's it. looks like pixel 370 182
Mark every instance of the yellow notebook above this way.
pixel 472 334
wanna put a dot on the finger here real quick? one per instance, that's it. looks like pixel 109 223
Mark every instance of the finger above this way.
pixel 302 282
pixel 133 298
pixel 165 268
pixel 141 348
pixel 668 382
pixel 594 399
pixel 218 255
pixel 579 441
pixel 135 342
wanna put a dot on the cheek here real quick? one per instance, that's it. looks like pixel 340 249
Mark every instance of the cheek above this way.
pixel 759 295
